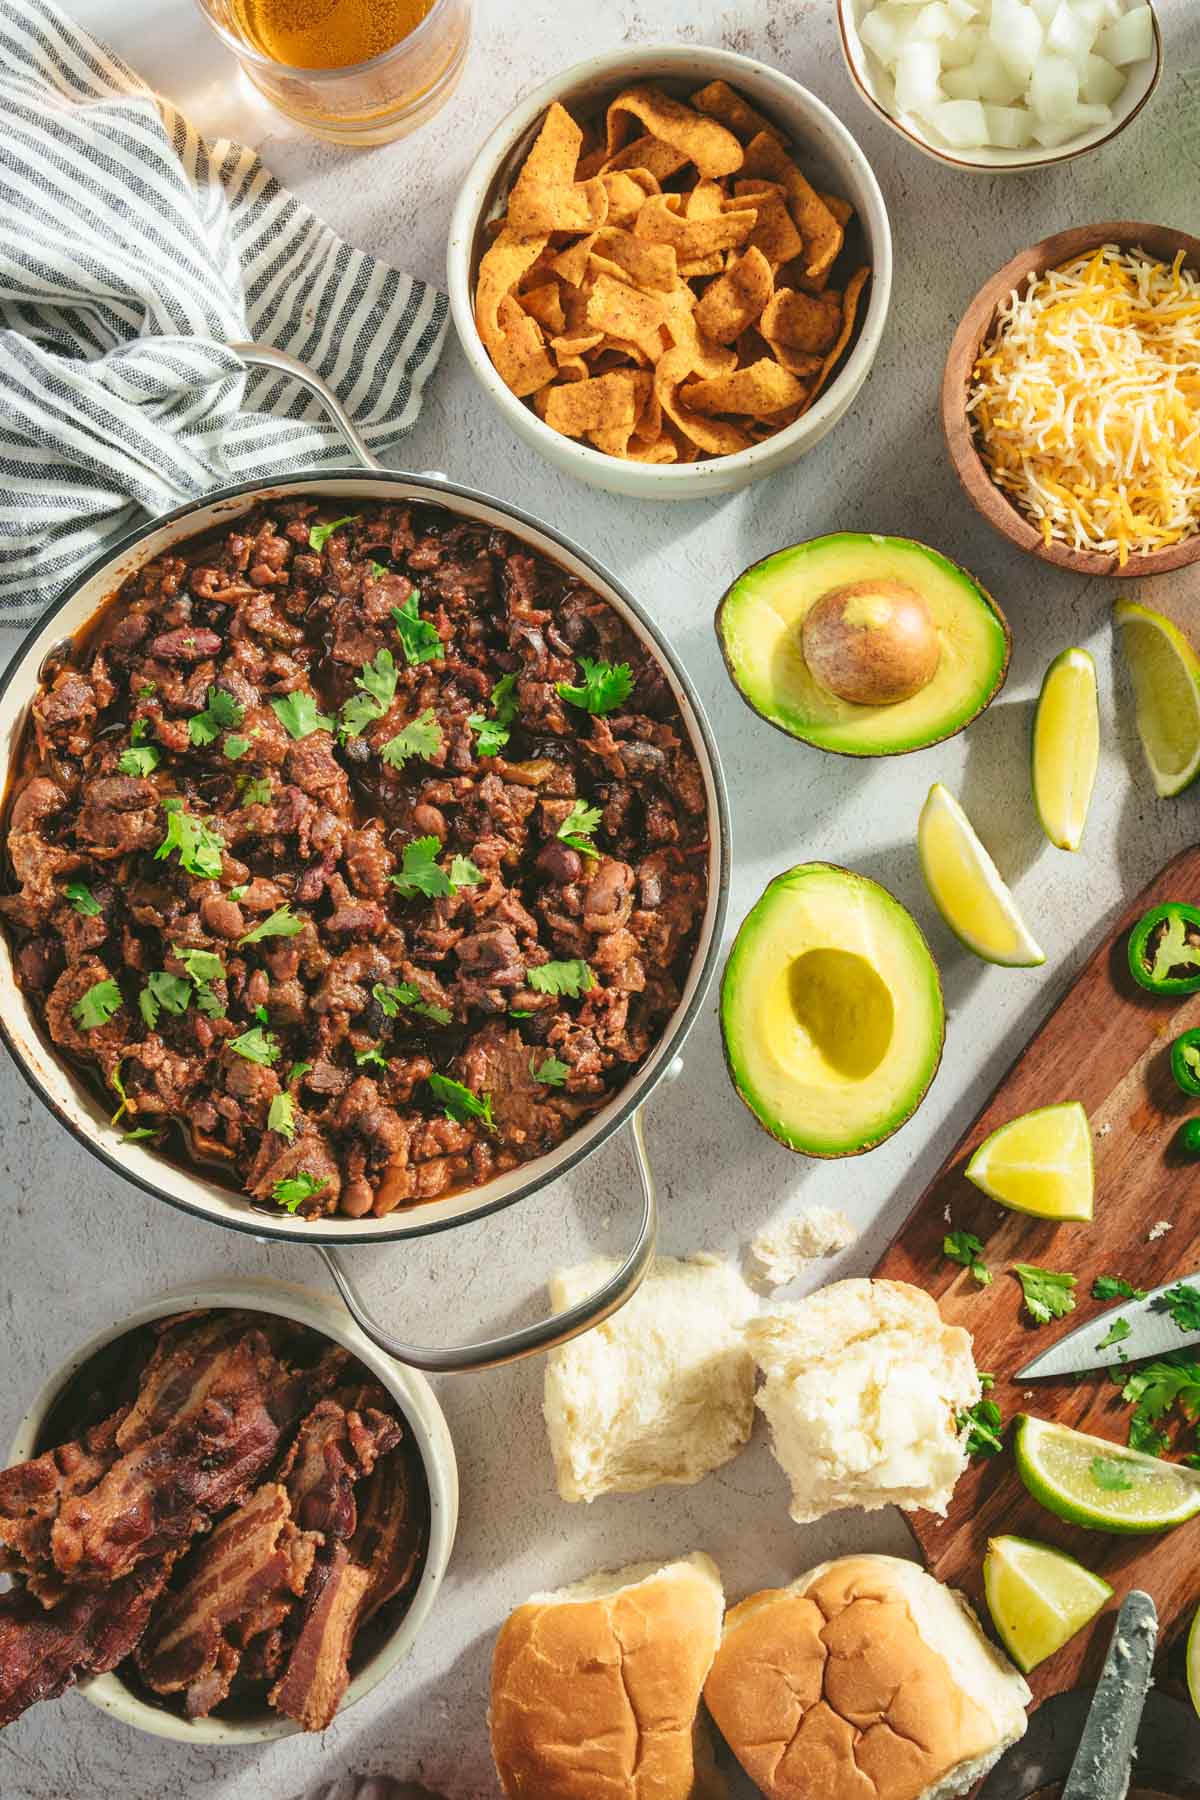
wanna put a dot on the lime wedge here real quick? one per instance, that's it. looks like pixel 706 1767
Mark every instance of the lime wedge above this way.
pixel 1166 686
pixel 1040 1163
pixel 965 886
pixel 1103 1486
pixel 1193 1661
pixel 1066 747
pixel 1038 1597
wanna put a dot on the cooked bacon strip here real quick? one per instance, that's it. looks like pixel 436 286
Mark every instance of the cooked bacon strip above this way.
pixel 216 1355
pixel 318 1670
pixel 241 1583
pixel 158 1495
pixel 392 1533
pixel 338 1443
pixel 42 1653
pixel 31 1494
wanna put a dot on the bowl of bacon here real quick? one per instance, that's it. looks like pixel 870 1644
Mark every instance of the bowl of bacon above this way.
pixel 226 1519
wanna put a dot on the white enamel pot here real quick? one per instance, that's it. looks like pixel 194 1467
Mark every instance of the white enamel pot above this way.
pixel 426 1426
pixel 79 1109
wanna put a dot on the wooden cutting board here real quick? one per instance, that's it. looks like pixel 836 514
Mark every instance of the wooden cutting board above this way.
pixel 1106 1044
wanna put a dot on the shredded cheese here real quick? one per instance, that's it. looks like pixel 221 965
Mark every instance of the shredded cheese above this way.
pixel 1086 402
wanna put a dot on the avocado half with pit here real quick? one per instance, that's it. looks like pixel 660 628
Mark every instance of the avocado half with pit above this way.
pixel 831 1011
pixel 866 645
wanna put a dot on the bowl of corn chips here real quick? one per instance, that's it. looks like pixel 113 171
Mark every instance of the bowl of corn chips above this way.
pixel 670 270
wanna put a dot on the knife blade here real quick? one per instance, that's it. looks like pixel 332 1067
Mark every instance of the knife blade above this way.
pixel 1102 1762
pixel 1152 1332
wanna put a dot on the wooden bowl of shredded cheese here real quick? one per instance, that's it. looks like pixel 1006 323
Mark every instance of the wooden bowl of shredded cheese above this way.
pixel 1071 399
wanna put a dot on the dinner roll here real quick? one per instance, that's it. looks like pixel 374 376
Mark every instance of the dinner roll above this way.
pixel 595 1688
pixel 864 1386
pixel 866 1679
pixel 662 1391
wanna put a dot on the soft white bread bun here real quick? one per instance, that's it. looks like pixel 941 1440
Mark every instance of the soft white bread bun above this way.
pixel 864 1385
pixel 866 1679
pixel 662 1391
pixel 595 1688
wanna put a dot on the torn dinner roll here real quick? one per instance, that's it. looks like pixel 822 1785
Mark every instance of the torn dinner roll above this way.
pixel 864 1678
pixel 596 1688
pixel 864 1385
pixel 782 1252
pixel 663 1391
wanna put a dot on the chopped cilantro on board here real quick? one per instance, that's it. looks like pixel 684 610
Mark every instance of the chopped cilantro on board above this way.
pixel 1047 1295
pixel 965 1248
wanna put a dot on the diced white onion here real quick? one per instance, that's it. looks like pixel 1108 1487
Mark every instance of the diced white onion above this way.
pixel 1009 127
pixel 1101 82
pixel 1054 90
pixel 1005 73
pixel 961 123
pixel 1130 40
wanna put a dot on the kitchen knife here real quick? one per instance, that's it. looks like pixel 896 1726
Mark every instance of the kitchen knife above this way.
pixel 1102 1762
pixel 1152 1332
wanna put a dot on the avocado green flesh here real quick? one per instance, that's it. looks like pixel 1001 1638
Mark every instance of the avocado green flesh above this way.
pixel 760 623
pixel 831 1010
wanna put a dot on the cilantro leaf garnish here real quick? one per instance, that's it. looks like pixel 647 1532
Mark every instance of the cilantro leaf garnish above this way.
pixel 254 790
pixel 1115 1287
pixel 965 1248
pixel 571 978
pixel 491 736
pixel 257 1046
pixel 142 1131
pixel 376 681
pixel 605 686
pixel 1111 1474
pixel 281 923
pixel 147 690
pixel 458 1102
pixel 422 737
pixel 493 733
pixel 1183 1303
pixel 578 827
pixel 201 965
pixel 297 713
pixel 238 892
pixel 403 993
pixel 374 1056
pixel 319 535
pixel 165 990
pixel 297 1070
pixel 418 637
pixel 984 1426
pixel 419 870
pixel 1117 1332
pixel 198 845
pixel 1047 1295
pixel 282 1115
pixel 208 1003
pixel 139 759
pixel 377 570
pixel 98 1005
pixel 294 1188
pixel 221 714
pixel 552 1072
pixel 464 873
pixel 82 899
pixel 236 747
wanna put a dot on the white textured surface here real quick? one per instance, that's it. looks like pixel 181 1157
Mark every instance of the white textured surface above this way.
pixel 78 1248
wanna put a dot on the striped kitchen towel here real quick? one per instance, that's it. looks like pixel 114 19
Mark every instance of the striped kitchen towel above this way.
pixel 132 254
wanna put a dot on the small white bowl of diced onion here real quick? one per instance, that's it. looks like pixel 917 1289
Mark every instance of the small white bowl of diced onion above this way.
pixel 998 85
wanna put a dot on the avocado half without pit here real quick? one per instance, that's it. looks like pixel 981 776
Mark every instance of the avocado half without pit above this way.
pixel 866 645
pixel 831 1011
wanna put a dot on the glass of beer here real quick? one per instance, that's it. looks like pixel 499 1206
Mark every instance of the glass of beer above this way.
pixel 351 71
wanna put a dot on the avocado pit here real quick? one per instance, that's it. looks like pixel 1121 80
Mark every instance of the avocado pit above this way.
pixel 872 643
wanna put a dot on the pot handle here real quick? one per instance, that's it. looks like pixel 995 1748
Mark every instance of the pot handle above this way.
pixel 545 1334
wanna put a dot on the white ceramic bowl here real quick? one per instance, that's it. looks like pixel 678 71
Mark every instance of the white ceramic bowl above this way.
pixel 825 150
pixel 874 84
pixel 415 1400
